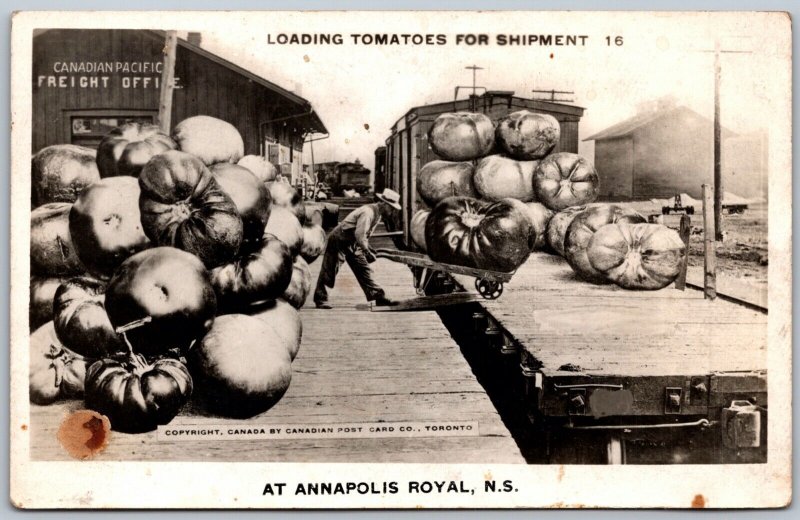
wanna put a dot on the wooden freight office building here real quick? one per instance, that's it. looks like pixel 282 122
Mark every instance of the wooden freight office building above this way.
pixel 86 82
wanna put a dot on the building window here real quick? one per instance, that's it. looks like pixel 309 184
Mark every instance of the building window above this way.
pixel 89 129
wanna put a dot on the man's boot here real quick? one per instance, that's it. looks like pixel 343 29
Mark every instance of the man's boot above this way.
pixel 383 301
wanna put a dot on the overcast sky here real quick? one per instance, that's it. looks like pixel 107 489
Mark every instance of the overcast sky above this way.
pixel 355 86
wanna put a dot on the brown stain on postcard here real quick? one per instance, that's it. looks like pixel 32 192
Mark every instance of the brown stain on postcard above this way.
pixel 84 433
pixel 699 502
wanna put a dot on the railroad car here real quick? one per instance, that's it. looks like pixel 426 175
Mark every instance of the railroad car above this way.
pixel 350 176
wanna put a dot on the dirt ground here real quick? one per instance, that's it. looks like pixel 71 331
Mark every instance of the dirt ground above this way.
pixel 743 254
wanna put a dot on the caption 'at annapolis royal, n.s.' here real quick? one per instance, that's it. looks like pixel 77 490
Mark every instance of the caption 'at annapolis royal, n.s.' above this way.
pixel 411 487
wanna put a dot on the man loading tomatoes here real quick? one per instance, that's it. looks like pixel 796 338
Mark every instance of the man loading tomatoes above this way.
pixel 349 242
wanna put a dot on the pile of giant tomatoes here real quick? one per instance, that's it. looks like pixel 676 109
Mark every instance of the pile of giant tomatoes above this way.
pixel 496 185
pixel 500 191
pixel 609 243
pixel 488 198
pixel 166 268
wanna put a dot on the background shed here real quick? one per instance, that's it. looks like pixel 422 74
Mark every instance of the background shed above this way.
pixel 669 150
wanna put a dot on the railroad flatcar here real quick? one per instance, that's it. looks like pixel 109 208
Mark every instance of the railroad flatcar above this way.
pixel 590 373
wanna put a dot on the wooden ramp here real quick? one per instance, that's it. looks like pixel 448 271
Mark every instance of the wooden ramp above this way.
pixel 354 366
pixel 570 326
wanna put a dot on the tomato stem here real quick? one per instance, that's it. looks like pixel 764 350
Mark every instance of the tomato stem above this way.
pixel 130 347
pixel 123 329
pixel 135 324
pixel 471 218
pixel 58 367
pixel 137 360
pixel 60 358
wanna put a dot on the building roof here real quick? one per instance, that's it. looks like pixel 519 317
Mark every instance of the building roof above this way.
pixel 307 109
pixel 630 125
pixel 626 127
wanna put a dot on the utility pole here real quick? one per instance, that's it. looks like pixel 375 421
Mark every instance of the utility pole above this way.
pixel 719 188
pixel 474 87
pixel 474 69
pixel 167 82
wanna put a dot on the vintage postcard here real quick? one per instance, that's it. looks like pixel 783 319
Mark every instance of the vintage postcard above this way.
pixel 432 259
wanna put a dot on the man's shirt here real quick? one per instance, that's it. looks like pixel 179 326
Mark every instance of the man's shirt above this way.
pixel 364 220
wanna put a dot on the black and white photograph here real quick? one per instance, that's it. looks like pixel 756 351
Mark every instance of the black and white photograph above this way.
pixel 401 259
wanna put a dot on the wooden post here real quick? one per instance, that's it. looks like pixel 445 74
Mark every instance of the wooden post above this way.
pixel 709 247
pixel 167 82
pixel 615 449
pixel 718 185
pixel 316 177
pixel 685 232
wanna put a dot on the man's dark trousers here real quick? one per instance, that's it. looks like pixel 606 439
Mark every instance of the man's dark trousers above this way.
pixel 342 247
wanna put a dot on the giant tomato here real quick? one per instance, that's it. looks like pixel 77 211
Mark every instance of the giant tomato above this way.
pixel 580 232
pixel 126 149
pixel 105 224
pixel 637 256
pixel 241 368
pixel 135 395
pixel 468 232
pixel 461 136
pixel 183 206
pixel 253 277
pixel 167 292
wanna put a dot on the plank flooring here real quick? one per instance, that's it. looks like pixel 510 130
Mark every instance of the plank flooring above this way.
pixel 605 330
pixel 353 366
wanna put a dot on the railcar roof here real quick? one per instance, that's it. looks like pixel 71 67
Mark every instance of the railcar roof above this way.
pixel 493 97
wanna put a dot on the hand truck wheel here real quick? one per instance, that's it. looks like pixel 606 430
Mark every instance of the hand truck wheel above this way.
pixel 489 289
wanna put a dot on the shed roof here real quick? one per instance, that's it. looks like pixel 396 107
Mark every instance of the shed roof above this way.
pixel 630 125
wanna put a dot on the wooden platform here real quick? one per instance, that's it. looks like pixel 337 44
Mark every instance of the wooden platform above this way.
pixel 353 366
pixel 568 325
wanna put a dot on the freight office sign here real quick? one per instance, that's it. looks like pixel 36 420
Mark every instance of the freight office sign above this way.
pixel 102 75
